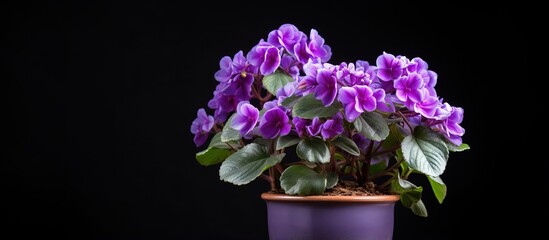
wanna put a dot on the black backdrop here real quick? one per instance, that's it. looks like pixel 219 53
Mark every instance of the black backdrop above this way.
pixel 101 97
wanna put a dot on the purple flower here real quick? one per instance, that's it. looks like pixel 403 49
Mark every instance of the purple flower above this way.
pixel 300 51
pixel 287 36
pixel 284 92
pixel 314 127
pixel 442 111
pixel 351 76
pixel 301 125
pixel 274 123
pixel 270 105
pixel 332 127
pixel 289 65
pixel 417 65
pixel 371 71
pixel 326 90
pixel 358 99
pixel 265 56
pixel 272 61
pixel 246 118
pixel 201 127
pixel 239 64
pixel 430 82
pixel 427 107
pixel 225 71
pixel 451 124
pixel 240 86
pixel 410 88
pixel 316 47
pixel 389 67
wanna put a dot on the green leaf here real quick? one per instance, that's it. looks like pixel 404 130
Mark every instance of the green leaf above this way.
pixel 455 148
pixel 287 141
pixel 400 185
pixel 247 164
pixel 377 168
pixel 229 133
pixel 331 179
pixel 406 170
pixel 290 101
pixel 347 145
pixel 419 209
pixel 263 141
pixel 275 81
pixel 410 196
pixel 309 107
pixel 425 151
pixel 313 150
pixel 372 125
pixel 394 138
pixel 212 156
pixel 217 143
pixel 439 188
pixel 339 157
pixel 301 180
pixel 396 132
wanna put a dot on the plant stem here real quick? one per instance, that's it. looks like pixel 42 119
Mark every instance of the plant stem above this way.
pixel 386 151
pixel 384 184
pixel 406 121
pixel 216 129
pixel 272 178
pixel 388 170
pixel 332 156
pixel 230 146
pixel 279 168
pixel 366 163
pixel 265 177
pixel 357 167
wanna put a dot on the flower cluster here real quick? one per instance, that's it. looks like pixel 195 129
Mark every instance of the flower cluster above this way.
pixel 342 117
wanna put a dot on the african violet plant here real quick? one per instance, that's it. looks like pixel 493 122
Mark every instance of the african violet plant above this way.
pixel 372 124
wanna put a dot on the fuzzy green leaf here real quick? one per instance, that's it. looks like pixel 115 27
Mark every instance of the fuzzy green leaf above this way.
pixel 372 125
pixel 287 141
pixel 410 195
pixel 273 82
pixel 419 209
pixel 455 148
pixel 229 133
pixel 247 164
pixel 217 143
pixel 439 188
pixel 347 145
pixel 331 179
pixel 313 150
pixel 425 151
pixel 290 101
pixel 301 180
pixel 309 107
pixel 212 156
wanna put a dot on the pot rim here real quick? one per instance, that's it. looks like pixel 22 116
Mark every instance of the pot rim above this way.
pixel 362 199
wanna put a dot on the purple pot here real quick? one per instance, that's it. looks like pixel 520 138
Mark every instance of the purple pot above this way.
pixel 330 217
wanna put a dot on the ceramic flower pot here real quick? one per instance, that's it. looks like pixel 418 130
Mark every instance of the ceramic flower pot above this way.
pixel 330 217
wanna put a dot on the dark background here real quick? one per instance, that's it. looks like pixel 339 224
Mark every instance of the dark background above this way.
pixel 101 97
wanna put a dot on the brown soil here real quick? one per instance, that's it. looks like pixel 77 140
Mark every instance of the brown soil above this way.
pixel 347 188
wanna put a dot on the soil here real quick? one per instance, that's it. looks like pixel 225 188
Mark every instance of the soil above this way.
pixel 347 188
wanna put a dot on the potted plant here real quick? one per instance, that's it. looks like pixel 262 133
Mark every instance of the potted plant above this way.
pixel 358 131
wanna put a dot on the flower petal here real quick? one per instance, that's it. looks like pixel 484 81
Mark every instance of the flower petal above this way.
pixel 272 61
